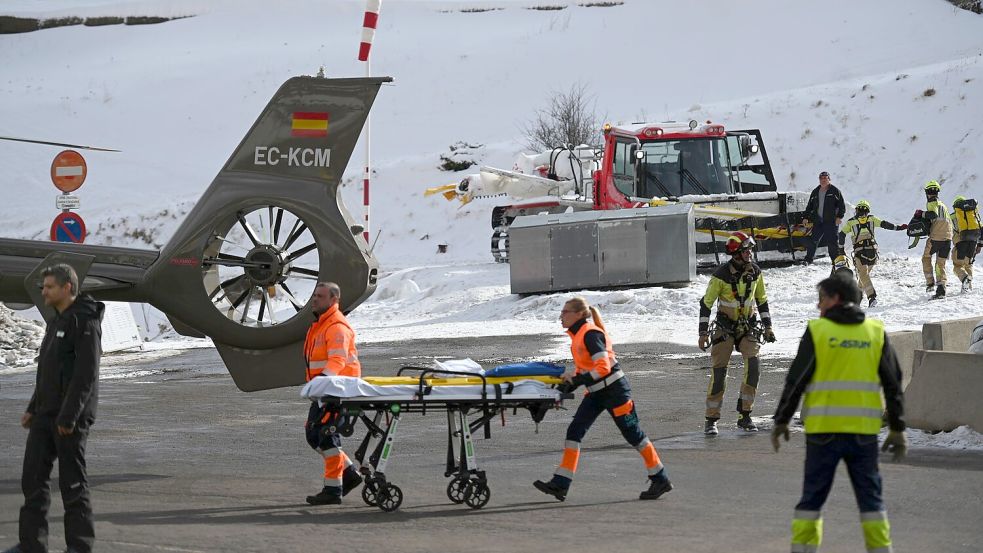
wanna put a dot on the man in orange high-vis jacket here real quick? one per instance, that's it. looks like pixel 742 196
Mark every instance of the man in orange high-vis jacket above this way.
pixel 330 350
pixel 607 390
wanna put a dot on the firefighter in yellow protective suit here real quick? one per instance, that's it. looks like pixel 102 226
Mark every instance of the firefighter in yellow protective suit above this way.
pixel 329 349
pixel 843 362
pixel 966 228
pixel 860 228
pixel 939 241
pixel 738 289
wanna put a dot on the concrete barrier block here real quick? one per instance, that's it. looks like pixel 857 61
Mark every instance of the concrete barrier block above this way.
pixel 945 391
pixel 948 335
pixel 905 342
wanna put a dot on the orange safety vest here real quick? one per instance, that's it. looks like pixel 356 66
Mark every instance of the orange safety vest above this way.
pixel 330 345
pixel 599 365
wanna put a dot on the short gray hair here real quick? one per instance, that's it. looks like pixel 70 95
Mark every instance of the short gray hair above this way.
pixel 333 289
pixel 63 273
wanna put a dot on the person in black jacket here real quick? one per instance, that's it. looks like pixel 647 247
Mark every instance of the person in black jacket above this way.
pixel 825 210
pixel 60 413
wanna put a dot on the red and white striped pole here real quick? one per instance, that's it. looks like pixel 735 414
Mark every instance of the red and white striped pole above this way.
pixel 368 33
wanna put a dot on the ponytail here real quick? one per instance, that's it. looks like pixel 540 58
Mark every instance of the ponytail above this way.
pixel 596 315
pixel 580 305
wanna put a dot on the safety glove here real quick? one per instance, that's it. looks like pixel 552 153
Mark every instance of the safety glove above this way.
pixel 896 444
pixel 903 226
pixel 769 335
pixel 704 342
pixel 780 430
pixel 567 387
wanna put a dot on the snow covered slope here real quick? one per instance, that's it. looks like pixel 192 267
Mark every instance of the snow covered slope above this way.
pixel 883 94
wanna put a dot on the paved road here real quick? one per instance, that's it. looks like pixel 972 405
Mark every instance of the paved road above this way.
pixel 182 461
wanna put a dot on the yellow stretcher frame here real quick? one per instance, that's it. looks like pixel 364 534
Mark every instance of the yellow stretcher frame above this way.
pixel 456 381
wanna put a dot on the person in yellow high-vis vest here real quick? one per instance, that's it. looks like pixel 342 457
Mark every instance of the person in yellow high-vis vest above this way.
pixel 843 362
pixel 966 235
pixel 329 350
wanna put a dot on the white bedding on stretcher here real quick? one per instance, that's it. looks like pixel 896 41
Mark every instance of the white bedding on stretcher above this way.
pixel 351 387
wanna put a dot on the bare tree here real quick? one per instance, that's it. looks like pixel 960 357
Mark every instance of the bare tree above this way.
pixel 570 118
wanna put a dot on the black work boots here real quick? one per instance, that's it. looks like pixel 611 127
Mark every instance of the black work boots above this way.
pixel 656 489
pixel 710 428
pixel 549 488
pixel 745 423
pixel 327 496
pixel 939 292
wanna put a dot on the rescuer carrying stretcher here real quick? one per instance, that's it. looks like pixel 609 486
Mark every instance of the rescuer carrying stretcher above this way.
pixel 329 349
pixel 597 369
pixel 738 288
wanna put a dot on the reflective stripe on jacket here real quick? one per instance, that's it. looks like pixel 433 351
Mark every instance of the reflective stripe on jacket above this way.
pixel 736 297
pixel 844 395
pixel 597 365
pixel 330 346
pixel 941 228
pixel 861 228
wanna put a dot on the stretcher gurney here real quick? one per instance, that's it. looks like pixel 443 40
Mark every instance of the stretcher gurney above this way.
pixel 471 401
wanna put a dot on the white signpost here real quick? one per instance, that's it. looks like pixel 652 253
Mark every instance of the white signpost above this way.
pixel 67 201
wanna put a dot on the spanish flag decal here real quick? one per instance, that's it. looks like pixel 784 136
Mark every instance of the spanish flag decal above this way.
pixel 309 124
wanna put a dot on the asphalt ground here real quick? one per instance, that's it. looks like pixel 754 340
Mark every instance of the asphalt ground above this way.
pixel 182 461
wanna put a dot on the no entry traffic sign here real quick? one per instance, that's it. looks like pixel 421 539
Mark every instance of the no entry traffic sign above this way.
pixel 68 227
pixel 68 171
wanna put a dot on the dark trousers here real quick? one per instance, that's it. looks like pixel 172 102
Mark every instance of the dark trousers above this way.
pixel 44 445
pixel 823 232
pixel 823 454
pixel 603 400
pixel 317 418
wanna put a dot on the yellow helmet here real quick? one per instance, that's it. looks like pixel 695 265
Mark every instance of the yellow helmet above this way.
pixel 933 185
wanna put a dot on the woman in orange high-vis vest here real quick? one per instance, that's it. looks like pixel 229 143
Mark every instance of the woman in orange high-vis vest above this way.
pixel 596 368
pixel 330 350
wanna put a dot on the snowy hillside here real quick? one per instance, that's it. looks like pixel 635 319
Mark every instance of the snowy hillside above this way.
pixel 883 94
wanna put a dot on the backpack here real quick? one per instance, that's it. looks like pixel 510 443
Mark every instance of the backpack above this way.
pixel 918 227
pixel 966 215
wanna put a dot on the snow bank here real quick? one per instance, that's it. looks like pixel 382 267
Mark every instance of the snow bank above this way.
pixel 19 339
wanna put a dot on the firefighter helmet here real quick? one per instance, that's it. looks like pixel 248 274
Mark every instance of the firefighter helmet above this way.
pixel 739 242
pixel 933 186
pixel 862 207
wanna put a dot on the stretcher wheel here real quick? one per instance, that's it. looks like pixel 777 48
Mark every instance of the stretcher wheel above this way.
pixel 457 489
pixel 369 495
pixel 390 498
pixel 479 496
